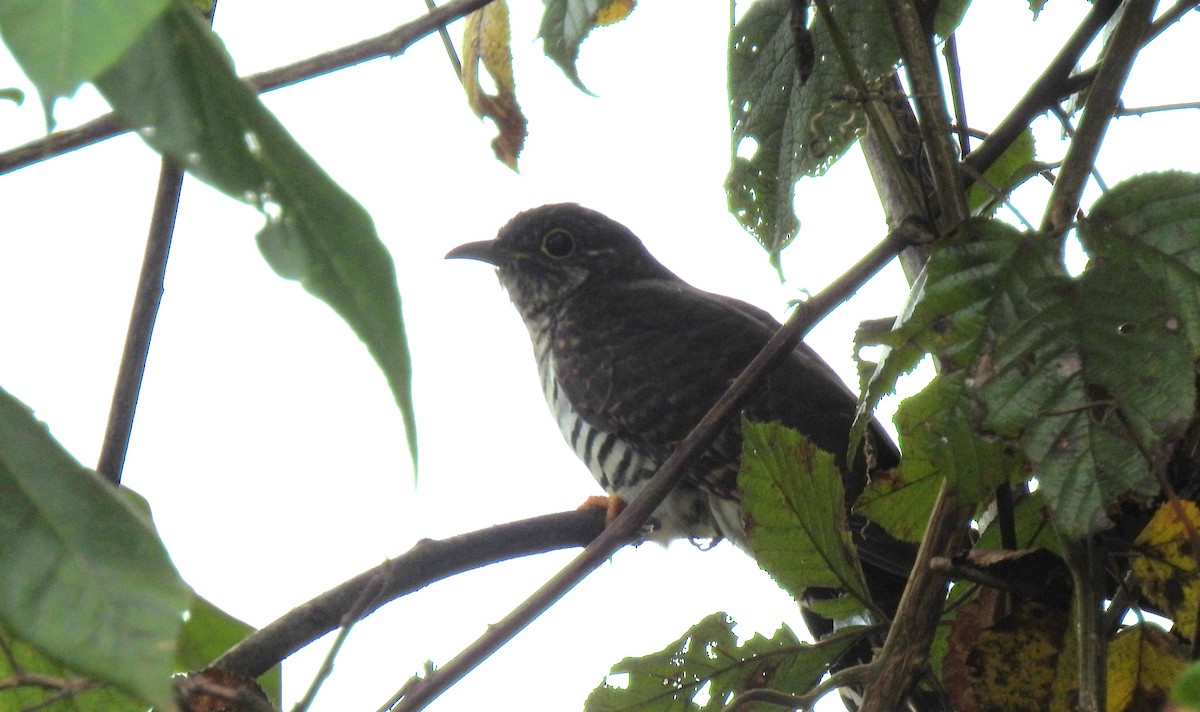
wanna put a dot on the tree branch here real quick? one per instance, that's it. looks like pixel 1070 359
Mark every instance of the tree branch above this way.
pixel 428 561
pixel 1103 99
pixel 669 474
pixel 1047 90
pixel 388 44
pixel 141 324
pixel 930 103
pixel 905 652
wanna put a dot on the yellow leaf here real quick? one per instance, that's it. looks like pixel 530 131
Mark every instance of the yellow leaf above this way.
pixel 1143 662
pixel 1165 568
pixel 486 40
pixel 614 11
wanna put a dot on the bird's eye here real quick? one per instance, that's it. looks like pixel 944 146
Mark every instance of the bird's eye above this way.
pixel 558 243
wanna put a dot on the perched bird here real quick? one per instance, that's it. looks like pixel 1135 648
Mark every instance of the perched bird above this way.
pixel 631 357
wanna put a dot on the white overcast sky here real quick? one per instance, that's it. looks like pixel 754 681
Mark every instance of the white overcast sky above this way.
pixel 266 440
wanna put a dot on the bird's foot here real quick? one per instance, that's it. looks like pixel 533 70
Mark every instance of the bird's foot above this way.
pixel 611 504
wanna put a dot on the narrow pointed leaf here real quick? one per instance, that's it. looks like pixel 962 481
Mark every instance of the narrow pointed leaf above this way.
pixel 178 83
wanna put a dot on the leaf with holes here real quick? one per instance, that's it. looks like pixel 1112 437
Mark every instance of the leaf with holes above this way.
pixel 782 130
pixel 708 658
pixel 1153 221
pixel 975 285
pixel 1096 385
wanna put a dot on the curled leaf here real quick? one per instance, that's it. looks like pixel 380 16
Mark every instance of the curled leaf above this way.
pixel 486 39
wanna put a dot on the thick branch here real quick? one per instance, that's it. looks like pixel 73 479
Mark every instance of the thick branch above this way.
pixel 388 44
pixel 1103 100
pixel 428 561
pixel 905 652
pixel 669 474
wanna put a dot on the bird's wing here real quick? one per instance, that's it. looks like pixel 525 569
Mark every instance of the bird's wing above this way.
pixel 646 359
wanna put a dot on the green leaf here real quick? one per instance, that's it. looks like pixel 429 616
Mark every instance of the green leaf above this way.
pixel 178 82
pixel 1031 523
pixel 60 44
pixel 975 284
pixel 86 580
pixel 940 439
pixel 1013 167
pixel 782 130
pixel 89 696
pixel 792 500
pixel 208 632
pixel 708 655
pixel 566 23
pixel 1094 383
pixel 1153 221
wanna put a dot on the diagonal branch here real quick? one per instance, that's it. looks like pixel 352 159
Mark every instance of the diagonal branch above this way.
pixel 389 44
pixel 1103 99
pixel 141 324
pixel 428 561
pixel 625 527
pixel 1046 90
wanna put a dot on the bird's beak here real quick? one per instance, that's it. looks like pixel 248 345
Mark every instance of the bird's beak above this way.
pixel 484 251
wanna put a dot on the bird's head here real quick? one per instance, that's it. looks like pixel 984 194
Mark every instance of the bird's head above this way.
pixel 545 254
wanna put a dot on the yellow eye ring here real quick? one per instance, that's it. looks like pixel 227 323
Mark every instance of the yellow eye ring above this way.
pixel 558 243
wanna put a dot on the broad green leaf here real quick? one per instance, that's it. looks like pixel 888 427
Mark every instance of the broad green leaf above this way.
pixel 708 657
pixel 975 284
pixel 782 130
pixel 86 580
pixel 1092 384
pixel 566 23
pixel 207 633
pixel 60 44
pixel 1153 221
pixel 486 40
pixel 792 500
pixel 948 16
pixel 940 441
pixel 178 83
pixel 1032 525
pixel 90 695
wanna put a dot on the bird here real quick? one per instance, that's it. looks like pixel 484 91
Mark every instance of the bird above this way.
pixel 631 356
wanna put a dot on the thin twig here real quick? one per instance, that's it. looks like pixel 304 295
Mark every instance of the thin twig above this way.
pixel 954 72
pixel 1142 110
pixel 1103 98
pixel 428 561
pixel 389 44
pixel 451 53
pixel 1045 91
pixel 849 677
pixel 141 324
pixel 631 519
